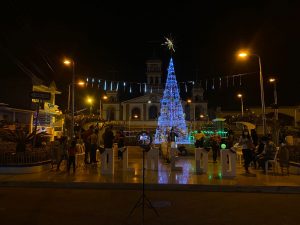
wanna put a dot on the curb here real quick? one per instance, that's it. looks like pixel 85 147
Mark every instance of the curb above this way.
pixel 154 187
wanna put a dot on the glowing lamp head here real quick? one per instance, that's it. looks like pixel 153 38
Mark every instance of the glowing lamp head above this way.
pixel 90 100
pixel 189 101
pixel 272 80
pixel 239 95
pixel 243 54
pixel 81 83
pixel 67 62
pixel 105 97
pixel 201 116
pixel 135 116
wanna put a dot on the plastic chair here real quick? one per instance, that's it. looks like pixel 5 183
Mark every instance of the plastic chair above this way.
pixel 273 162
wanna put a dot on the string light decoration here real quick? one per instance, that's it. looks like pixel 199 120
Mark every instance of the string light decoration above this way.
pixel 171 112
pixel 209 84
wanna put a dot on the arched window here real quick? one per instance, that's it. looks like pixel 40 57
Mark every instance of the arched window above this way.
pixel 152 112
pixel 136 114
pixel 110 113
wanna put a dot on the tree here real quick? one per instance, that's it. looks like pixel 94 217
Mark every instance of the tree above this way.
pixel 171 112
pixel 20 137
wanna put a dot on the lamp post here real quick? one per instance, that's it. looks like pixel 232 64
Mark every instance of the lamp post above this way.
pixel 261 81
pixel 69 62
pixel 90 101
pixel 276 138
pixel 100 107
pixel 80 83
pixel 242 103
pixel 274 81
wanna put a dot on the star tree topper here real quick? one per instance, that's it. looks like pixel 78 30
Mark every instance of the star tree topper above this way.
pixel 169 43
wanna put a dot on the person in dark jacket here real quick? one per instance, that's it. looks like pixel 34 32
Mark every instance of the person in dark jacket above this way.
pixel 254 137
pixel 108 138
pixel 72 155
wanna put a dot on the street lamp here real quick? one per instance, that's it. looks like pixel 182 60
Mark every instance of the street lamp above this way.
pixel 100 107
pixel 244 54
pixel 90 101
pixel 274 81
pixel 69 62
pixel 242 103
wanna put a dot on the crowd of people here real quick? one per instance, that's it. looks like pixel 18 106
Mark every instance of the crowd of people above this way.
pixel 255 150
pixel 88 143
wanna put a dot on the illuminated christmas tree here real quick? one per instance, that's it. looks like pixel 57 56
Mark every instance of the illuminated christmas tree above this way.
pixel 171 112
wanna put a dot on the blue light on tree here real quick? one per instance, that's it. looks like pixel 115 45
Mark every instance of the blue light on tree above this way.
pixel 171 112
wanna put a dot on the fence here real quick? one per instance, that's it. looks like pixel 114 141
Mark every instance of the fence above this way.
pixel 24 158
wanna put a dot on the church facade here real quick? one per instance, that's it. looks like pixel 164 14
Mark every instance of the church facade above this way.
pixel 142 112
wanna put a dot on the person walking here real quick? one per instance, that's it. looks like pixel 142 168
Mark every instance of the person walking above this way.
pixel 247 148
pixel 72 154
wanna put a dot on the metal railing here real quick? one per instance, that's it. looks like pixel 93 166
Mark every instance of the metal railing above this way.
pixel 24 158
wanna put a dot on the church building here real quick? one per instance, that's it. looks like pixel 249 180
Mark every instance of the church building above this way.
pixel 142 112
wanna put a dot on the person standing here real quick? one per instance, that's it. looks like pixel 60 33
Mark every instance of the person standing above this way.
pixel 199 143
pixel 254 137
pixel 108 137
pixel 172 138
pixel 72 154
pixel 230 139
pixel 93 139
pixel 215 146
pixel 119 139
pixel 171 143
pixel 247 149
pixel 87 144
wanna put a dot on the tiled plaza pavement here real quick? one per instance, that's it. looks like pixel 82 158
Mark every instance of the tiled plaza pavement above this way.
pixel 164 178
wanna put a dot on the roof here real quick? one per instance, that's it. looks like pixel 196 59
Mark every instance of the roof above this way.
pixel 153 97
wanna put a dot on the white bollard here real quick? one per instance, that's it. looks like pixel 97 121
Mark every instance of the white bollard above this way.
pixel 151 160
pixel 201 159
pixel 228 163
pixel 125 160
pixel 173 160
pixel 107 161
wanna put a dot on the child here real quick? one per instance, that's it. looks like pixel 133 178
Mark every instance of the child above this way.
pixel 72 153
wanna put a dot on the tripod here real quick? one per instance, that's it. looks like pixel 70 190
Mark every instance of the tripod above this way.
pixel 143 200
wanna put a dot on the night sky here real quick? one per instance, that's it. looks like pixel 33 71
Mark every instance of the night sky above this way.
pixel 114 41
